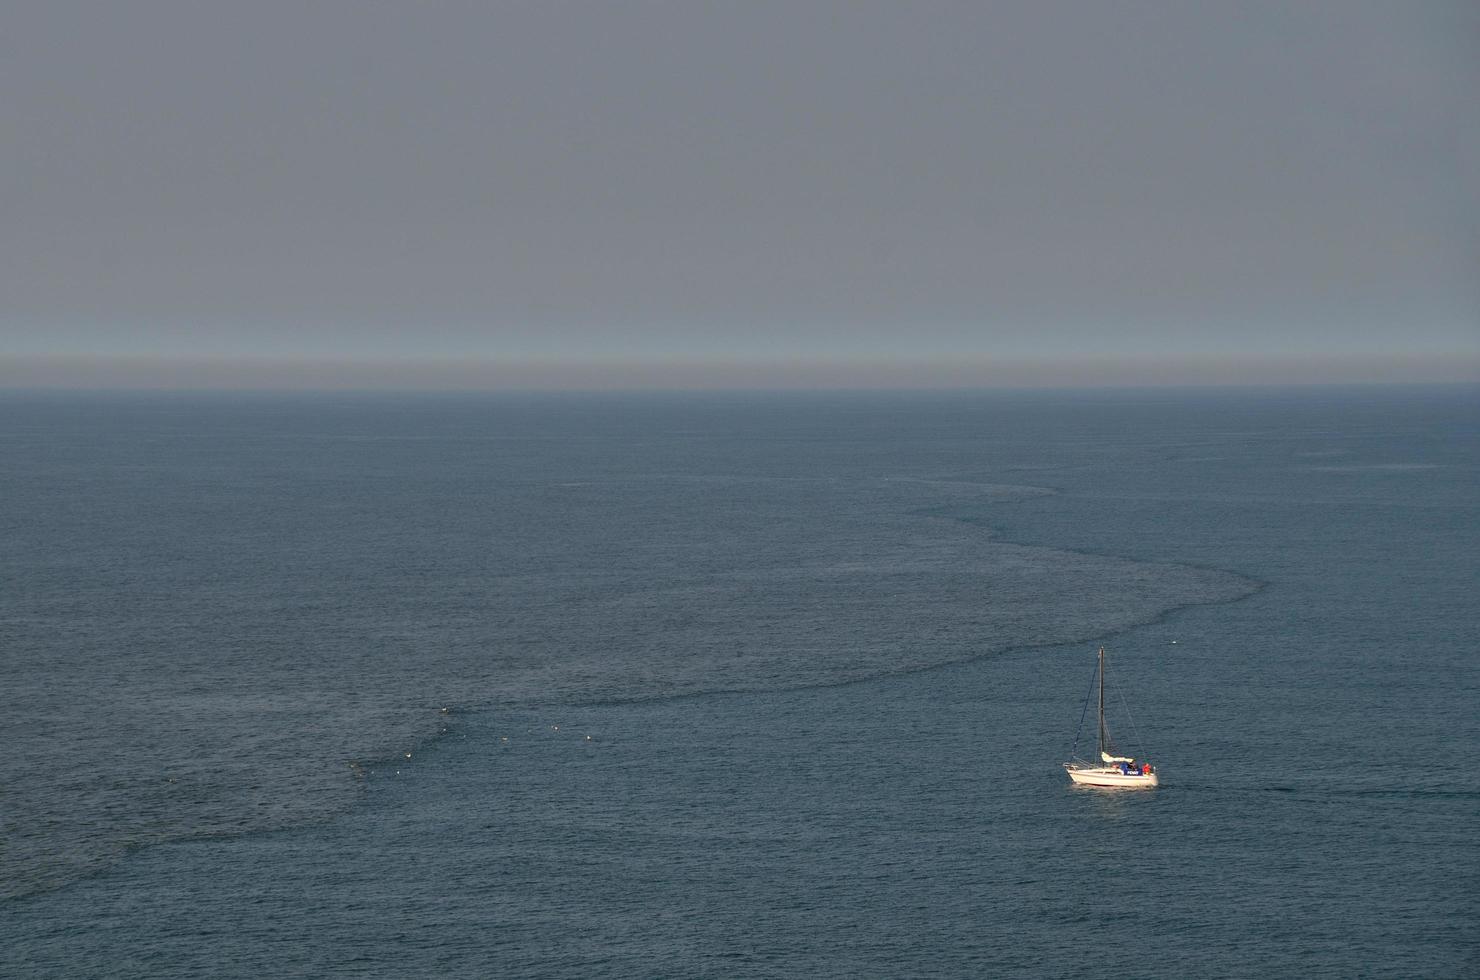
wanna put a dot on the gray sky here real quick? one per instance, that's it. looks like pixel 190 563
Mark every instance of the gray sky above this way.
pixel 651 194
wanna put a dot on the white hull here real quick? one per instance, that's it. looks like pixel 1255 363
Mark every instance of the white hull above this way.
pixel 1107 776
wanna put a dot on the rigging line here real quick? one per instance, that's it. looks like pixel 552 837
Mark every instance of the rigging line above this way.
pixel 1073 752
pixel 1125 706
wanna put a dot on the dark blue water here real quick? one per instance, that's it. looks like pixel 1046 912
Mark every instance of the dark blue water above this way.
pixel 738 685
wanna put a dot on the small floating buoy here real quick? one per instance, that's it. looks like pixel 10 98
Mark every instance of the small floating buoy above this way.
pixel 408 755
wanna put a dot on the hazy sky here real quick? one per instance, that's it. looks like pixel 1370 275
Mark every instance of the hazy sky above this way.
pixel 636 193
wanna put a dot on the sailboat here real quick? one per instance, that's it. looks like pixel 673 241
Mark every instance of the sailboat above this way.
pixel 1112 769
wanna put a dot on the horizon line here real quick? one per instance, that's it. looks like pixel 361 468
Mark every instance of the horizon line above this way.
pixel 278 373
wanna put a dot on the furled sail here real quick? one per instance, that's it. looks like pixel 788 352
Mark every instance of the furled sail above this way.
pixel 1108 758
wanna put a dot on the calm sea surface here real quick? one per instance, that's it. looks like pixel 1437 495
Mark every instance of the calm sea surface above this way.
pixel 738 685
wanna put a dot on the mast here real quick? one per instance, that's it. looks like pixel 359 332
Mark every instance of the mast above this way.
pixel 1101 732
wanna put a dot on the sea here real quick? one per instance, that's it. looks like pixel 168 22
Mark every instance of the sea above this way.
pixel 743 684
